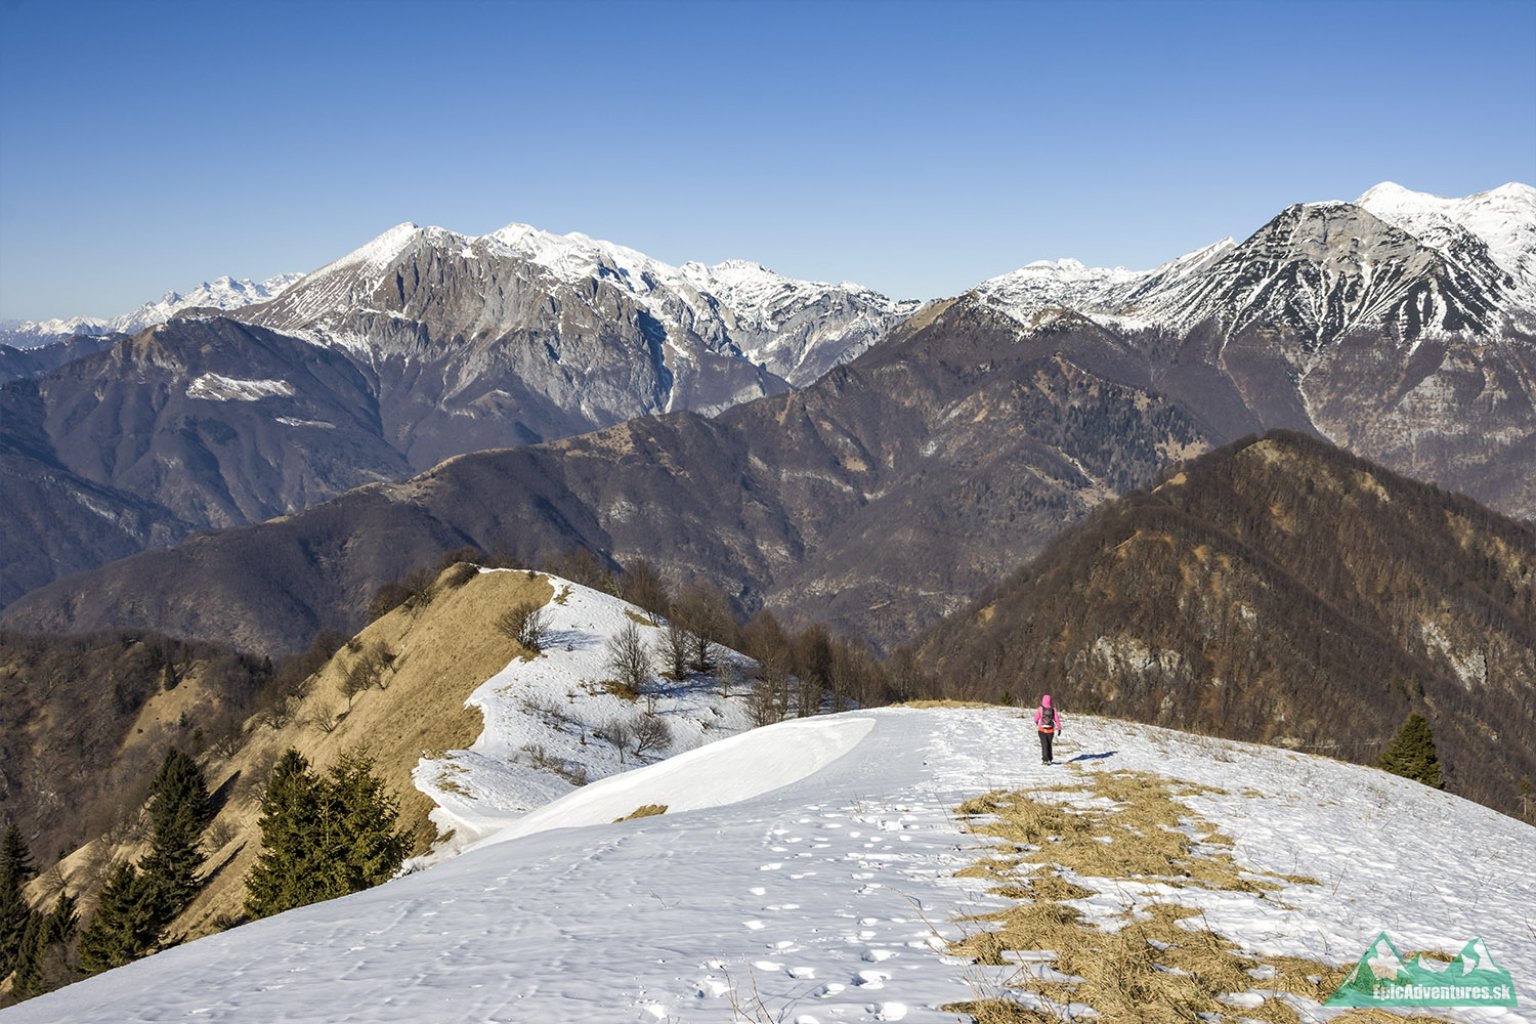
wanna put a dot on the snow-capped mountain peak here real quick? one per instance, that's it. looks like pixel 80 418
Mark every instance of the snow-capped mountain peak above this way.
pixel 520 278
pixel 1502 219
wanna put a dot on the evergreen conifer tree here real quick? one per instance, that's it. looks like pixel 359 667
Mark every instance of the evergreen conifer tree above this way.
pixel 323 837
pixel 47 957
pixel 179 810
pixel 27 978
pixel 367 848
pixel 125 925
pixel 285 873
pixel 16 869
pixel 1412 754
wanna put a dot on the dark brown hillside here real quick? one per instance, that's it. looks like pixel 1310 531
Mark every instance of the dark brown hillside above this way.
pixel 876 500
pixel 86 720
pixel 1278 590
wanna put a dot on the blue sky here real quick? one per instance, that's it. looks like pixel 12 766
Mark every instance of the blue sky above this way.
pixel 917 148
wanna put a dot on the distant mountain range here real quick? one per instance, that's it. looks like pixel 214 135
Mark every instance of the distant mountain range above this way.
pixel 946 443
pixel 220 293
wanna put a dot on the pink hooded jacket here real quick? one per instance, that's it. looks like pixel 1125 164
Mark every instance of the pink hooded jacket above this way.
pixel 1045 702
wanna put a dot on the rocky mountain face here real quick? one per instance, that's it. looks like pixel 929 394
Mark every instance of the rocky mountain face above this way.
pixel 1283 591
pixel 522 335
pixel 420 346
pixel 876 499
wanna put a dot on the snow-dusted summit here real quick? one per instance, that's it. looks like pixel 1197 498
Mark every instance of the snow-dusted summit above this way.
pixel 1403 263
pixel 1502 219
pixel 521 282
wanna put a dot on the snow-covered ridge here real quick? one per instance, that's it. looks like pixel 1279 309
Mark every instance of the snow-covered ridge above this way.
pixel 831 894
pixel 553 709
pixel 220 293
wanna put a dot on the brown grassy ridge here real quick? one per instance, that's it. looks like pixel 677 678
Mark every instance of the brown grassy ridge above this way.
pixel 1159 963
pixel 443 648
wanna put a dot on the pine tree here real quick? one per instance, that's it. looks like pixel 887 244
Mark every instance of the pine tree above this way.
pixel 1411 753
pixel 61 966
pixel 179 810
pixel 47 959
pixel 284 875
pixel 16 869
pixel 366 848
pixel 125 925
pixel 323 837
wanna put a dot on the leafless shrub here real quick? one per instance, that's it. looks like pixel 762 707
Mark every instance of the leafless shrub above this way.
pixel 650 732
pixel 460 574
pixel 527 624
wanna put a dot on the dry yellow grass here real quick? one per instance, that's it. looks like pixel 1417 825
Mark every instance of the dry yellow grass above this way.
pixel 1155 966
pixel 643 811
pixel 944 704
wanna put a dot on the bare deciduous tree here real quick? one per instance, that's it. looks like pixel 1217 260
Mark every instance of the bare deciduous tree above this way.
pixel 628 659
pixel 617 733
pixel 676 646
pixel 650 732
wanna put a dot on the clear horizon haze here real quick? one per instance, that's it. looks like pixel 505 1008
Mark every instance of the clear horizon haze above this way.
pixel 917 148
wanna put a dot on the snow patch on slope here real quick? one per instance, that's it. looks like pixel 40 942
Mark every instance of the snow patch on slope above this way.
pixel 1503 219
pixel 214 387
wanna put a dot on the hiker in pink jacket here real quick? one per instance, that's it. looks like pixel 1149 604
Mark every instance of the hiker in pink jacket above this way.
pixel 1048 723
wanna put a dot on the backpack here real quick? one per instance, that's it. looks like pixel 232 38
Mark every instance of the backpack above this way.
pixel 1048 719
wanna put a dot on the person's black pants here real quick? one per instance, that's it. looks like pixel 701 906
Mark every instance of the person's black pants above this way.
pixel 1045 746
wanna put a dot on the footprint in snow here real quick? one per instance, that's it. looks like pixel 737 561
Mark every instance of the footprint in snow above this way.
pixel 875 956
pixel 802 973
pixel 774 866
pixel 830 989
pixel 888 1011
pixel 871 979
pixel 711 988
pixel 753 925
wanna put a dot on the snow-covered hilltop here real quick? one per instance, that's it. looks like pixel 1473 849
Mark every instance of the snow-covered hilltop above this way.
pixel 817 871
pixel 223 293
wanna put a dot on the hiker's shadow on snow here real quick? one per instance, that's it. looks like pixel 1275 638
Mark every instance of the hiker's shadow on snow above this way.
pixel 1093 757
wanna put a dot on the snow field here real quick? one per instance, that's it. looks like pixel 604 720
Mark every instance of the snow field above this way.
pixel 827 892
